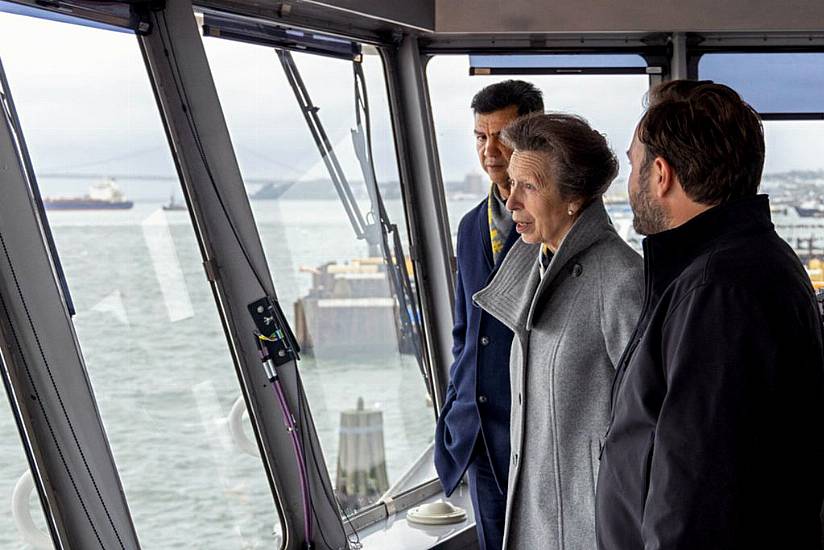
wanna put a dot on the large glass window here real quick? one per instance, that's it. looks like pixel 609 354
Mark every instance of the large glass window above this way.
pixel 794 166
pixel 146 319
pixel 611 103
pixel 358 339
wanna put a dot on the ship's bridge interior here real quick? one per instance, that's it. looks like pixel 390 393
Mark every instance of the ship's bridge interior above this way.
pixel 228 235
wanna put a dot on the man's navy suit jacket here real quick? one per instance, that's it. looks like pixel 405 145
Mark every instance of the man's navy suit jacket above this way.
pixel 477 398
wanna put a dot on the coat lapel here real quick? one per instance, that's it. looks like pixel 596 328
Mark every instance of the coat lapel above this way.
pixel 517 288
pixel 483 228
pixel 592 226
pixel 509 294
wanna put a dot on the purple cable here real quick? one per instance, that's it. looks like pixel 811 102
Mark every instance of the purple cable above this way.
pixel 288 420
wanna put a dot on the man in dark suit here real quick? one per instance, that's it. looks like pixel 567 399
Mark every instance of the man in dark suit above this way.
pixel 472 434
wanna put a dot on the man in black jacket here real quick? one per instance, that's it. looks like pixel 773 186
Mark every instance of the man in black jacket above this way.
pixel 717 432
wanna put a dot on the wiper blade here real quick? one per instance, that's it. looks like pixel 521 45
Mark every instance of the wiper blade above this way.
pixel 327 151
pixel 376 227
pixel 393 255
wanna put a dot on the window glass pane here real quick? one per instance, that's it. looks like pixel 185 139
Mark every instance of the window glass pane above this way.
pixel 146 319
pixel 334 286
pixel 794 179
pixel 612 104
pixel 770 82
pixel 556 61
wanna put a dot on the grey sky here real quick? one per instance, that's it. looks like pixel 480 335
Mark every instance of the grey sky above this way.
pixel 84 98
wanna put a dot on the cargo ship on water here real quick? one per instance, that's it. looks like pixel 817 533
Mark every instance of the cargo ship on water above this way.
pixel 104 195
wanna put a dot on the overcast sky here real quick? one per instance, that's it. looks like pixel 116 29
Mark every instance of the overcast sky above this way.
pixel 86 106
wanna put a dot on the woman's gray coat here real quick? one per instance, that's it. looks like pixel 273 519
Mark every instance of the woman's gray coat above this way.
pixel 570 330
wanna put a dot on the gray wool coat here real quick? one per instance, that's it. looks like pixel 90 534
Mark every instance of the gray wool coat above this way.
pixel 570 330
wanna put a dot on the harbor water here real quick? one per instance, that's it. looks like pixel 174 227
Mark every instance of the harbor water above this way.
pixel 165 383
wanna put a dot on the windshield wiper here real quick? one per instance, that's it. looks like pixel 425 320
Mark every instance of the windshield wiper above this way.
pixel 376 228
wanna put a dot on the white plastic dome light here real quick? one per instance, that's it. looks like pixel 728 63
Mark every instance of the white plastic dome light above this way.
pixel 436 513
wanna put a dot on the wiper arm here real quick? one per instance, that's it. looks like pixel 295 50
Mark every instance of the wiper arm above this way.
pixel 376 227
pixel 393 255
pixel 327 152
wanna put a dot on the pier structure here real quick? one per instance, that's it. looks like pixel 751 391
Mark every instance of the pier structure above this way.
pixel 349 309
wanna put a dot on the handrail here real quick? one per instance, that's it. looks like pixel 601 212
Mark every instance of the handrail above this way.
pixel 21 512
pixel 234 423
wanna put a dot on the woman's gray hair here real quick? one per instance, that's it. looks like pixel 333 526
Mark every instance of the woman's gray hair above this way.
pixel 580 160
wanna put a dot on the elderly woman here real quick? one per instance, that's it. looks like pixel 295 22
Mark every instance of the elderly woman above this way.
pixel 571 291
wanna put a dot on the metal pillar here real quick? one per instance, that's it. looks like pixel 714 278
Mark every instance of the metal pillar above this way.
pixel 678 62
pixel 234 262
pixel 46 379
pixel 420 169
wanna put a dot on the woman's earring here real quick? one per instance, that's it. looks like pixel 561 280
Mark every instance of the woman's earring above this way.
pixel 569 211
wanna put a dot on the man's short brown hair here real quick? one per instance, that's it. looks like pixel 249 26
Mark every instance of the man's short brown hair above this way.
pixel 712 138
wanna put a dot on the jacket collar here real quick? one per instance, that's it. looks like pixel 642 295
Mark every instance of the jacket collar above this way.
pixel 516 289
pixel 668 253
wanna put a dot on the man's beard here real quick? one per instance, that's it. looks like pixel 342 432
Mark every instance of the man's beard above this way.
pixel 648 218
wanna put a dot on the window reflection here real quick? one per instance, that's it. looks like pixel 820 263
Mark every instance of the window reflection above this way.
pixel 146 319
pixel 363 380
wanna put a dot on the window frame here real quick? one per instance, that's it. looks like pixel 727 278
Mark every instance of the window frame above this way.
pixel 384 507
pixel 78 485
